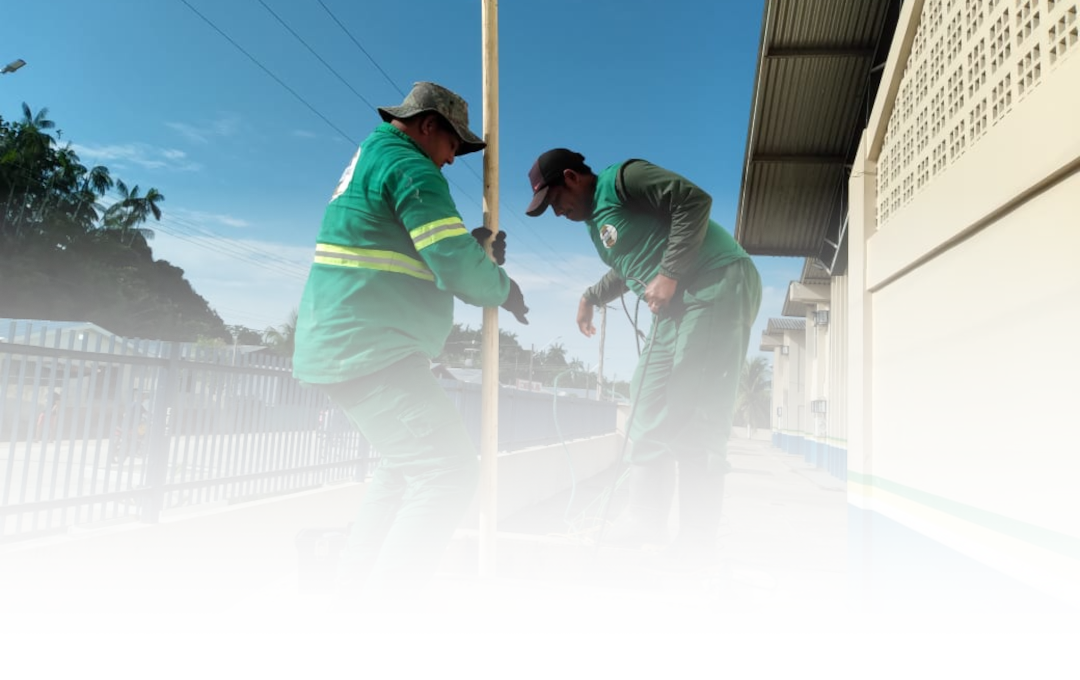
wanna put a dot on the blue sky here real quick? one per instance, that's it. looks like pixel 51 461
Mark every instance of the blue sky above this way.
pixel 153 91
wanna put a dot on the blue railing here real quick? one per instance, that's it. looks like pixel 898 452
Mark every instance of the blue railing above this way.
pixel 101 428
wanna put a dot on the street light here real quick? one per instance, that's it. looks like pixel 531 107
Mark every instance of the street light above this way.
pixel 13 66
pixel 533 353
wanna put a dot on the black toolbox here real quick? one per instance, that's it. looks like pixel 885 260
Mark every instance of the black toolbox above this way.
pixel 318 553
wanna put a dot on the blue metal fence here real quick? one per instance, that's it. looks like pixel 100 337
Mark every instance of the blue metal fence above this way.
pixel 96 428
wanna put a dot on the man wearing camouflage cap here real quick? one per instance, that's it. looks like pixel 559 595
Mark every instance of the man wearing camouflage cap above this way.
pixel 392 254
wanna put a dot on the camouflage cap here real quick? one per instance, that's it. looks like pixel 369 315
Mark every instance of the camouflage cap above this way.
pixel 433 97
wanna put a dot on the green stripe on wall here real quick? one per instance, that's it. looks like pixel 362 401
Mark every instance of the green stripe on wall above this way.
pixel 1054 541
pixel 811 438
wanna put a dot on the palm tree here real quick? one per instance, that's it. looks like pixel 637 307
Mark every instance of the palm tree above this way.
pixel 26 162
pixel 282 340
pixel 755 394
pixel 132 210
pixel 32 139
pixel 95 183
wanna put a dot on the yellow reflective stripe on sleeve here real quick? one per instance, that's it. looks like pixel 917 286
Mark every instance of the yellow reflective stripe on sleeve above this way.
pixel 433 232
pixel 367 258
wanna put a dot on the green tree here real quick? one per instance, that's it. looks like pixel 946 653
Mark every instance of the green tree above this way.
pixel 755 394
pixel 132 210
pixel 282 339
pixel 60 259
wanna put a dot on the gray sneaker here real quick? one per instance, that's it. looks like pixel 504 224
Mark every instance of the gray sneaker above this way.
pixel 346 592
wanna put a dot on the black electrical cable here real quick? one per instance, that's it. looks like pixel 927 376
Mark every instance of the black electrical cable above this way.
pixel 630 419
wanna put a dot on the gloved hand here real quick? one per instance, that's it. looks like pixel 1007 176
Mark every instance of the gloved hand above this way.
pixel 515 303
pixel 498 247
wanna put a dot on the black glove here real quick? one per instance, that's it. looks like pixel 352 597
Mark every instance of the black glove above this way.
pixel 498 247
pixel 515 303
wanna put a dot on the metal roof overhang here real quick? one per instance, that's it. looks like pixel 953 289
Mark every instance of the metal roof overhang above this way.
pixel 781 325
pixel 770 342
pixel 814 86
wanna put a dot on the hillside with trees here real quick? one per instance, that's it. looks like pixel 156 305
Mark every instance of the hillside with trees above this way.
pixel 74 245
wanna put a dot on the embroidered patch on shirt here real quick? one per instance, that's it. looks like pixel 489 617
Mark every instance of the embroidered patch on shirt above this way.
pixel 609 235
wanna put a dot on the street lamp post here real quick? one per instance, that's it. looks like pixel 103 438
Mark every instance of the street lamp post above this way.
pixel 13 67
pixel 532 353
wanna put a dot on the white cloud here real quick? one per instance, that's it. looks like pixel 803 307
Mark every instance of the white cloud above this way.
pixel 250 282
pixel 256 295
pixel 772 298
pixel 142 155
pixel 204 217
pixel 225 126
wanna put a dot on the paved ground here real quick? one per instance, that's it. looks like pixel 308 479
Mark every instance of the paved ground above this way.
pixel 784 530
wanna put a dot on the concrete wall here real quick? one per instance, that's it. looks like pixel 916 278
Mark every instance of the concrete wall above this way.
pixel 179 573
pixel 965 201
pixel 836 384
pixel 793 384
pixel 530 476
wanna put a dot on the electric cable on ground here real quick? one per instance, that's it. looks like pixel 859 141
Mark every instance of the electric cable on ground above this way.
pixel 719 583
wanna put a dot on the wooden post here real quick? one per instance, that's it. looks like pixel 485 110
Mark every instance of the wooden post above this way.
pixel 489 405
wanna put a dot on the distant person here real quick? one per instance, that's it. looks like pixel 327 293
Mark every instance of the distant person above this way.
pixel 653 228
pixel 392 254
pixel 53 419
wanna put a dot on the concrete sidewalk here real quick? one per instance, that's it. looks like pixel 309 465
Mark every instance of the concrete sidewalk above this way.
pixel 784 529
pixel 783 538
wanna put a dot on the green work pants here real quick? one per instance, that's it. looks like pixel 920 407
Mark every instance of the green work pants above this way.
pixel 686 382
pixel 426 478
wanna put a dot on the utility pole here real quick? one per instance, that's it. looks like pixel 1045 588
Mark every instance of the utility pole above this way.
pixel 532 351
pixel 489 357
pixel 600 365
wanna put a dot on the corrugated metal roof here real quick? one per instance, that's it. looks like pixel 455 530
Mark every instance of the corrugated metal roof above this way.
pixel 29 331
pixel 795 309
pixel 814 272
pixel 778 325
pixel 811 94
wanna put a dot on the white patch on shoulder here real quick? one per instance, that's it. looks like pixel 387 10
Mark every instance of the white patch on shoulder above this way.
pixel 609 235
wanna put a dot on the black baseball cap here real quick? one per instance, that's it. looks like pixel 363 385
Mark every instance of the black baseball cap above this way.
pixel 548 171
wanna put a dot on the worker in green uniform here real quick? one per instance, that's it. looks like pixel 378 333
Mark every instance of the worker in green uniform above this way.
pixel 391 255
pixel 652 227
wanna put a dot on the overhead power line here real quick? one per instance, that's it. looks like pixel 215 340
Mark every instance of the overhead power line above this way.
pixel 560 258
pixel 361 48
pixel 465 162
pixel 270 73
pixel 316 55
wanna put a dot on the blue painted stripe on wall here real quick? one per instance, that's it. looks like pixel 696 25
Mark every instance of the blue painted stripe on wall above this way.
pixel 919 585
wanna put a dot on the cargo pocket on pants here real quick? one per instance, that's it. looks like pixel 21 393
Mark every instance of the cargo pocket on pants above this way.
pixel 424 420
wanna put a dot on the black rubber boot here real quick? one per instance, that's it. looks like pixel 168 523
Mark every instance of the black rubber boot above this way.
pixel 693 552
pixel 644 521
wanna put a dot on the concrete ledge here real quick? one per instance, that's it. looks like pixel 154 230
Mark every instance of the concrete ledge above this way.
pixel 529 477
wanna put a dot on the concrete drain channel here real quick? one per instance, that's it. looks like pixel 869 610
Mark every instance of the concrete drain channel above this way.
pixel 539 587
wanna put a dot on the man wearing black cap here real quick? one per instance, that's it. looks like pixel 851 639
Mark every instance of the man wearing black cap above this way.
pixel 392 254
pixel 652 228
